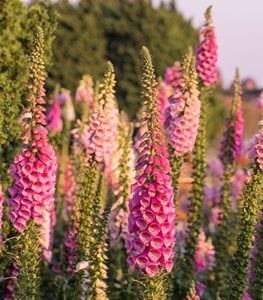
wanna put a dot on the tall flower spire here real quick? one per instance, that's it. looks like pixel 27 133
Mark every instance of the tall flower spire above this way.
pixel 232 137
pixel 34 169
pixel 99 135
pixel 152 213
pixel 229 153
pixel 238 270
pixel 184 110
pixel 206 52
pixel 31 202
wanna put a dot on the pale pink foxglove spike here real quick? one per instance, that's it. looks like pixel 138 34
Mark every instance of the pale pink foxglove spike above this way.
pixel 182 115
pixel 85 90
pixel 99 135
pixel 204 254
pixel 206 53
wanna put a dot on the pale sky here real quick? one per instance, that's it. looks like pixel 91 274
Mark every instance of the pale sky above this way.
pixel 239 30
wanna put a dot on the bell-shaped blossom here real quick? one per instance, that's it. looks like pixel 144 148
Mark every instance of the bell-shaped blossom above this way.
pixel 54 118
pixel 34 174
pixel 1 216
pixel 151 222
pixel 204 254
pixel 206 53
pixel 255 151
pixel 85 90
pixel 182 115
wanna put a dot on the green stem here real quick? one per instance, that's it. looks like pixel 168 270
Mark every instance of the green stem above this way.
pixel 256 285
pixel 153 288
pixel 222 240
pixel 176 164
pixel 237 275
pixel 27 283
pixel 87 186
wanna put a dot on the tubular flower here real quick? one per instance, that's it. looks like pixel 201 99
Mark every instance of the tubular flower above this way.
pixel 99 135
pixel 255 151
pixel 85 90
pixel 231 144
pixel 204 254
pixel 1 216
pixel 206 53
pixel 152 214
pixel 54 118
pixel 34 169
pixel 182 115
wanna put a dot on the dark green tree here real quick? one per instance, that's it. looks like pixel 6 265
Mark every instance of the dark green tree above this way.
pixel 92 31
pixel 79 47
pixel 12 77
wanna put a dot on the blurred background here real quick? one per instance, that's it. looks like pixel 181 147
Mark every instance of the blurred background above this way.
pixel 90 32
